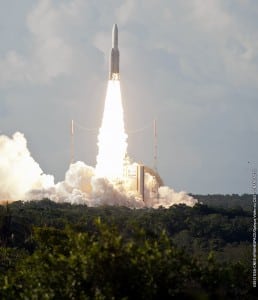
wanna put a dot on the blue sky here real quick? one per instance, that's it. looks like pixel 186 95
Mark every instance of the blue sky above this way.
pixel 192 65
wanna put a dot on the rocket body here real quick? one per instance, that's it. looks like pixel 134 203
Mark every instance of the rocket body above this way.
pixel 114 57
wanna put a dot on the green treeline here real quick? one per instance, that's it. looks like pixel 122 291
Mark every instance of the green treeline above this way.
pixel 244 201
pixel 63 251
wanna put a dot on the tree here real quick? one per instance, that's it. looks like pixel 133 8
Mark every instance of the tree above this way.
pixel 105 265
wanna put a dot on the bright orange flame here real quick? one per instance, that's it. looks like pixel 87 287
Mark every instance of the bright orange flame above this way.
pixel 112 139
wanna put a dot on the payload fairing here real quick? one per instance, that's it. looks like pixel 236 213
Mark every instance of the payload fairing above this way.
pixel 114 57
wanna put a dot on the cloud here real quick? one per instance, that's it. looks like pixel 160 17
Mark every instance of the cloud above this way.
pixel 54 50
pixel 12 68
pixel 206 39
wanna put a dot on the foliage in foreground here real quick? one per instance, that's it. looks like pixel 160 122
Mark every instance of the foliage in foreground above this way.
pixel 103 264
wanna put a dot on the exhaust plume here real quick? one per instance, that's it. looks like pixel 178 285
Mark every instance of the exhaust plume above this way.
pixel 112 139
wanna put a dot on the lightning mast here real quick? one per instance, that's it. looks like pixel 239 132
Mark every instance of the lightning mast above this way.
pixel 155 187
pixel 155 146
pixel 72 142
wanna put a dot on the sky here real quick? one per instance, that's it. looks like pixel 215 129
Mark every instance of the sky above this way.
pixel 191 65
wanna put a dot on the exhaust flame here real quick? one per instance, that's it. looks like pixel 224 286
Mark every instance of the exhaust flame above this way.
pixel 112 139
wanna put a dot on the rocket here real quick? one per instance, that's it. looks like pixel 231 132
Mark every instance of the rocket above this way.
pixel 114 57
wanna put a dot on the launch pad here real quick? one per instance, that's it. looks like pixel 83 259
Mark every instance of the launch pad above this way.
pixel 142 179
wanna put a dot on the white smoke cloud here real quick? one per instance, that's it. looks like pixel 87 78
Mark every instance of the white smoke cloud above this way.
pixel 21 178
pixel 19 172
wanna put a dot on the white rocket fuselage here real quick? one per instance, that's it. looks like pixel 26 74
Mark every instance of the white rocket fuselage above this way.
pixel 114 58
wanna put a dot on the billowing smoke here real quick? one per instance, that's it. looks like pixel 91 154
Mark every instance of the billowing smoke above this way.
pixel 19 173
pixel 21 178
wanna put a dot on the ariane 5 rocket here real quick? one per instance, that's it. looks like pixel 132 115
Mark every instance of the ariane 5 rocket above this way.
pixel 114 57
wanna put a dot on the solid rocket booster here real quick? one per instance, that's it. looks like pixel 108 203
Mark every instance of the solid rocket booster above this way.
pixel 114 57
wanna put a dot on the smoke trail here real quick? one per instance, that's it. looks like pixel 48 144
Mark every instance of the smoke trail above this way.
pixel 112 139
